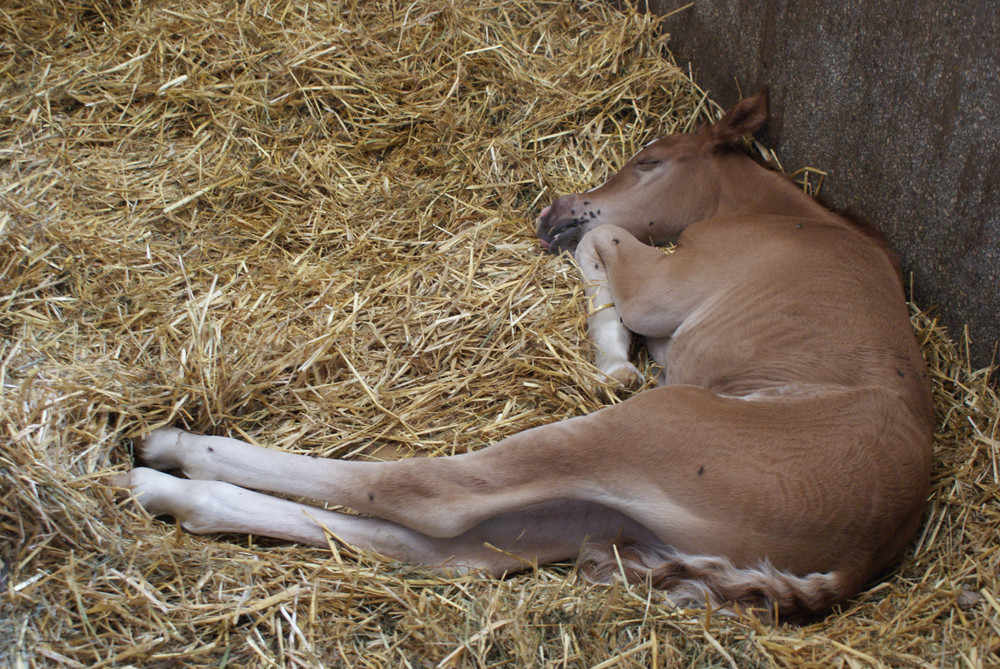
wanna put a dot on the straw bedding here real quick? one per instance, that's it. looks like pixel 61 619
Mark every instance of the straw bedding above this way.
pixel 307 224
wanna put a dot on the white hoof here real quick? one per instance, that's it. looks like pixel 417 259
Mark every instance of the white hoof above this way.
pixel 161 449
pixel 624 374
pixel 158 493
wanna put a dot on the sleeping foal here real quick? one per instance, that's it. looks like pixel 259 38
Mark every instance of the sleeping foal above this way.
pixel 782 461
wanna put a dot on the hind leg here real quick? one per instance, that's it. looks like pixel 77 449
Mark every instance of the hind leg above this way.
pixel 438 497
pixel 504 544
pixel 707 474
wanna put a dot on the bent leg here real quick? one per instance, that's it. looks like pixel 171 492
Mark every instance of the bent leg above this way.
pixel 653 292
pixel 611 338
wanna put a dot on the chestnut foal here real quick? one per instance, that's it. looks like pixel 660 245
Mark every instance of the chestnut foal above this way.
pixel 783 461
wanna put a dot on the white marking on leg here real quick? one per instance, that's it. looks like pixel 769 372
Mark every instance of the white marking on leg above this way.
pixel 507 543
pixel 214 458
pixel 210 507
pixel 611 338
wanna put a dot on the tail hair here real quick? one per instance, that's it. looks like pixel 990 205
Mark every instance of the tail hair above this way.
pixel 700 580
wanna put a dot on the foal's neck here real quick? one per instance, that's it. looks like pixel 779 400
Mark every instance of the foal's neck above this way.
pixel 749 188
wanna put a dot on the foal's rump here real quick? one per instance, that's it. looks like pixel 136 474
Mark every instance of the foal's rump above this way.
pixel 785 486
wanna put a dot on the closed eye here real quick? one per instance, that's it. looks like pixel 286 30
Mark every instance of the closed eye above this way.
pixel 647 163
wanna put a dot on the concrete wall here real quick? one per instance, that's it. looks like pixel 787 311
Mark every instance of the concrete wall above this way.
pixel 899 102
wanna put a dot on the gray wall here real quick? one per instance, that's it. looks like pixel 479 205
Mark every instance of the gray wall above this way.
pixel 899 102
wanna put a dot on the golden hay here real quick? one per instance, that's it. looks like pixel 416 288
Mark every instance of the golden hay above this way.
pixel 307 225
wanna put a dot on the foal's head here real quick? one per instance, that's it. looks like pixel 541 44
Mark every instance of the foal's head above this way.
pixel 671 183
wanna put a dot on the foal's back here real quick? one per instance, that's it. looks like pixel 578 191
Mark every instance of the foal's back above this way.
pixel 799 304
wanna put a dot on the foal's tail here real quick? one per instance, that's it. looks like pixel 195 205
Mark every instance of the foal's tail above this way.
pixel 699 580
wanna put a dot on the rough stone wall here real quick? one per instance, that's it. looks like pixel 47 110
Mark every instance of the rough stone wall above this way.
pixel 899 102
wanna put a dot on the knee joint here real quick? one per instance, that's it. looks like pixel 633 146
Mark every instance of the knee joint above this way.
pixel 592 251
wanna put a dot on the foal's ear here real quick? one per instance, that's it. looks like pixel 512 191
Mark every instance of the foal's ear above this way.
pixel 747 116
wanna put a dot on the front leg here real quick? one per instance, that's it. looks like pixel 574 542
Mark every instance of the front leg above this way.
pixel 612 340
